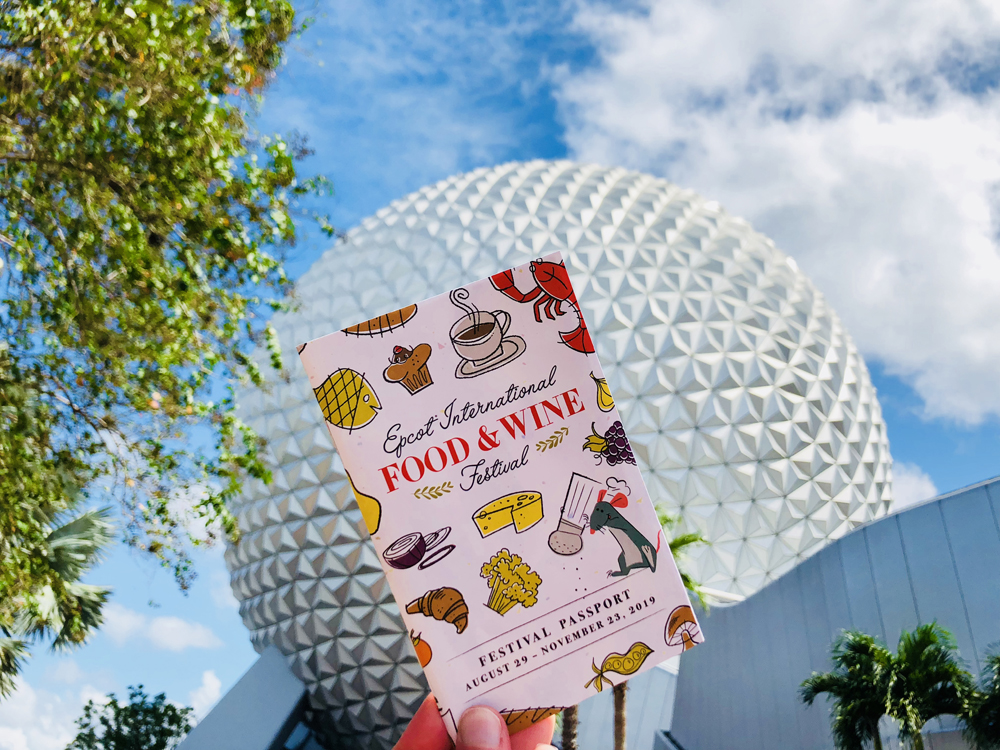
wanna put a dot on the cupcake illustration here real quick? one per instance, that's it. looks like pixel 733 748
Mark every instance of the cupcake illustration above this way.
pixel 408 367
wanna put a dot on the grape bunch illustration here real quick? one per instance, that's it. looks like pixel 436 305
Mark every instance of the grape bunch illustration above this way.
pixel 613 446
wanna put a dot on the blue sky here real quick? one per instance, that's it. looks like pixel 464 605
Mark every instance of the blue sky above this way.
pixel 863 137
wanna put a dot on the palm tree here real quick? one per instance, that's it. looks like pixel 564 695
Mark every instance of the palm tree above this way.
pixel 47 541
pixel 982 710
pixel 49 601
pixel 928 680
pixel 922 680
pixel 858 685
pixel 678 546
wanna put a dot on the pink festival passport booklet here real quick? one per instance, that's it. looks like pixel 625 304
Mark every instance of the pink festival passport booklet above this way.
pixel 502 495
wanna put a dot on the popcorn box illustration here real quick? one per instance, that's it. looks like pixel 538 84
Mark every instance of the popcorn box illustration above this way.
pixel 482 418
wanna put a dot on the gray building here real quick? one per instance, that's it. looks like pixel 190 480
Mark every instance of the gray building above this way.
pixel 937 561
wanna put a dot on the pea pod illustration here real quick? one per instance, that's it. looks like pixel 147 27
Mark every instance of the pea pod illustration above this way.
pixel 623 664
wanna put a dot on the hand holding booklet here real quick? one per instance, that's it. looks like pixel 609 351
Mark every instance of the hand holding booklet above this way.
pixel 502 495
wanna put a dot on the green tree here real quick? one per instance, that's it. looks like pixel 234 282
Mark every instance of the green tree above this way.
pixel 982 710
pixel 143 723
pixel 928 680
pixel 142 224
pixel 858 687
pixel 47 542
pixel 922 680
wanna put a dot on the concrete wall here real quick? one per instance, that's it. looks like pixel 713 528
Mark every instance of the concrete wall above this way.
pixel 936 561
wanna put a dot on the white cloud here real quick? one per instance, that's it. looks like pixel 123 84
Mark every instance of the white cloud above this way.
pixel 121 623
pixel 36 719
pixel 206 695
pixel 67 671
pixel 90 693
pixel 910 485
pixel 170 633
pixel 33 719
pixel 13 739
pixel 175 634
pixel 222 592
pixel 864 137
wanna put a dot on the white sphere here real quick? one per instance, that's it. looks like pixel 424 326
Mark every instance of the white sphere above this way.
pixel 747 404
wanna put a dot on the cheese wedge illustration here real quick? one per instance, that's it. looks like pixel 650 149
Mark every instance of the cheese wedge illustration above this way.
pixel 522 510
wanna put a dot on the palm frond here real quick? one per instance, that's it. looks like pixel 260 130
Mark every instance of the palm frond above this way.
pixel 928 679
pixel 824 682
pixel 76 545
pixel 678 546
pixel 83 614
pixel 981 713
pixel 12 654
pixel 857 687
pixel 678 543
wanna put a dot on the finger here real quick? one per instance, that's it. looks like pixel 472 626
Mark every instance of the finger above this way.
pixel 534 737
pixel 426 730
pixel 482 728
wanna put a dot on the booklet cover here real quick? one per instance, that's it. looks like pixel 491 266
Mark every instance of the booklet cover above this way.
pixel 502 495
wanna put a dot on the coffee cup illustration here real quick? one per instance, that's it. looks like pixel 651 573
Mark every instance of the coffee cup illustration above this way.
pixel 481 338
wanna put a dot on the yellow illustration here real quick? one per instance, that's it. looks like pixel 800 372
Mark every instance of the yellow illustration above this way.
pixel 522 719
pixel 512 582
pixel 623 664
pixel 604 400
pixel 552 441
pixel 442 604
pixel 348 400
pixel 522 510
pixel 383 324
pixel 371 509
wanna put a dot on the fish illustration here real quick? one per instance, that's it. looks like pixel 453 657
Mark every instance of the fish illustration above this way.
pixel 347 399
pixel 623 664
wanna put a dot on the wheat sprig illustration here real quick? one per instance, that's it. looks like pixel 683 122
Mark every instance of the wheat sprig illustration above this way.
pixel 432 492
pixel 552 441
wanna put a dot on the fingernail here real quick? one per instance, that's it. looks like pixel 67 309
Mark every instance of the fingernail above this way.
pixel 480 727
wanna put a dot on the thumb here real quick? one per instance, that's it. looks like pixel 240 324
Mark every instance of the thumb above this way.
pixel 482 728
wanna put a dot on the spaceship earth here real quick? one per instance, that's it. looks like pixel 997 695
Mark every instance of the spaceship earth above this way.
pixel 749 409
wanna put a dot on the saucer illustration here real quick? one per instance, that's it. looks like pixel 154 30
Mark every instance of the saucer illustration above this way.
pixel 510 349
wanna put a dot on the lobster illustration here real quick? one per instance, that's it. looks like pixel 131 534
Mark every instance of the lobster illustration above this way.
pixel 552 288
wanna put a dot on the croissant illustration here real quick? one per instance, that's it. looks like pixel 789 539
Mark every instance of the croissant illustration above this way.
pixel 442 604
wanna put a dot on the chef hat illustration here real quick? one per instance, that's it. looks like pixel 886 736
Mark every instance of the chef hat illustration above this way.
pixel 618 485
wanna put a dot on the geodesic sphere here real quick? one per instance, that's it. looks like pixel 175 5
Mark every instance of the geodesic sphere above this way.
pixel 748 407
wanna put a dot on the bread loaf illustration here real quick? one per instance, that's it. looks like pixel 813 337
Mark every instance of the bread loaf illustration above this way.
pixel 518 720
pixel 442 604
pixel 383 324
